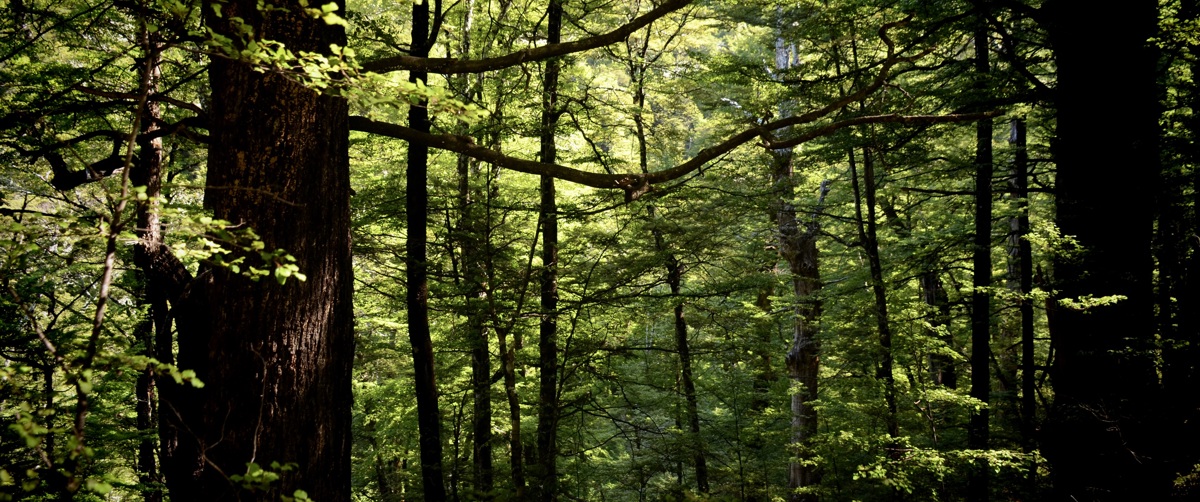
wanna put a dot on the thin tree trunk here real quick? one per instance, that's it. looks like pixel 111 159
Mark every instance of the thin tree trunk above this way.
pixel 472 236
pixel 1024 259
pixel 868 236
pixel 981 307
pixel 674 270
pixel 548 408
pixel 417 206
pixel 148 173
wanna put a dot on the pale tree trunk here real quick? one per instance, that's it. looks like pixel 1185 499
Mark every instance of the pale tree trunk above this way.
pixel 798 247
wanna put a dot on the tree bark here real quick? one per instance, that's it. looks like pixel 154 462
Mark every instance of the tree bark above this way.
pixel 548 408
pixel 1024 265
pixel 868 236
pixel 981 305
pixel 429 418
pixel 147 172
pixel 275 359
pixel 472 236
pixel 798 247
pixel 1101 438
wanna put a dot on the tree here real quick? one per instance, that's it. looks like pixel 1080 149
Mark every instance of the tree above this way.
pixel 275 358
pixel 1102 437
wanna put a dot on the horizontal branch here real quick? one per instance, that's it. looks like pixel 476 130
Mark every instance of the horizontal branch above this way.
pixel 829 128
pixel 634 185
pixel 447 66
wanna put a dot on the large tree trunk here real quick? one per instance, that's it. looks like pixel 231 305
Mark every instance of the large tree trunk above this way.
pixel 275 359
pixel 1180 287
pixel 1102 438
pixel 548 408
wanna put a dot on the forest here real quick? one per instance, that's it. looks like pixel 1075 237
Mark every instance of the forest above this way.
pixel 801 250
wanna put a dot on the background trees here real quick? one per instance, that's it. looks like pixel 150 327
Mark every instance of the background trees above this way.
pixel 644 189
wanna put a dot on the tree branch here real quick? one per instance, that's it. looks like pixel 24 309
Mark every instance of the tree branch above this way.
pixel 447 66
pixel 879 119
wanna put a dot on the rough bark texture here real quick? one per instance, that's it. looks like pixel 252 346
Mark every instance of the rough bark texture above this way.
pixel 472 236
pixel 1023 265
pixel 275 359
pixel 1102 438
pixel 798 247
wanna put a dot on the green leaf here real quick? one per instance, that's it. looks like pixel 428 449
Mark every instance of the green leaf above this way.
pixel 98 486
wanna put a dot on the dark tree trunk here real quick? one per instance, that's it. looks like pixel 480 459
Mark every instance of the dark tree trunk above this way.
pixel 870 242
pixel 675 269
pixel 981 304
pixel 1101 438
pixel 1179 274
pixel 941 367
pixel 1024 271
pixel 275 359
pixel 429 418
pixel 548 408
pixel 471 236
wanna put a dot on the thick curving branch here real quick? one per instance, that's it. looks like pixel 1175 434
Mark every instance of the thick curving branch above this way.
pixel 447 66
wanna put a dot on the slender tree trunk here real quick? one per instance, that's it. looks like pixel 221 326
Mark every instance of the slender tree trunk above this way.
pixel 981 305
pixel 429 420
pixel 675 271
pixel 147 172
pixel 941 367
pixel 868 236
pixel 1024 259
pixel 548 408
pixel 275 359
pixel 472 236
pixel 516 447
